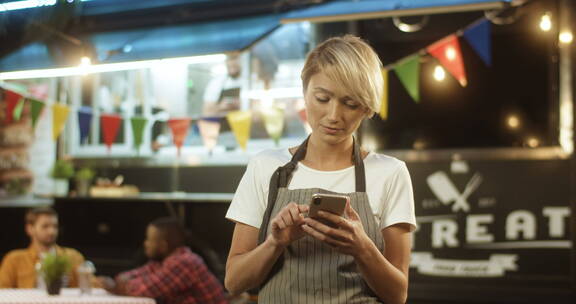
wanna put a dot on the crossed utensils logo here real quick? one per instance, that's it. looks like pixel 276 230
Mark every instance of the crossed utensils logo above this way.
pixel 447 193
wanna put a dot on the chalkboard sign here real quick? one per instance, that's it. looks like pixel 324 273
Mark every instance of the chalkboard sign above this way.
pixel 487 224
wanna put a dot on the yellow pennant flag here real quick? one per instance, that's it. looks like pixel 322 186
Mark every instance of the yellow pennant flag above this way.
pixel 384 105
pixel 240 123
pixel 59 117
pixel 274 122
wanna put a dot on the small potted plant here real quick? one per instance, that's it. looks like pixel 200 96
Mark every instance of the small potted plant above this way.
pixel 83 179
pixel 61 173
pixel 54 268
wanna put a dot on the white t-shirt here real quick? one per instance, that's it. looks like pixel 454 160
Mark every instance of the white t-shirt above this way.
pixel 388 187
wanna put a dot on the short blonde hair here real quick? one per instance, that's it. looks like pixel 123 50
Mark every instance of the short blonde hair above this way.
pixel 352 64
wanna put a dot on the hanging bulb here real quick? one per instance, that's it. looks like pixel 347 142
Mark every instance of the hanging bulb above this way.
pixel 439 73
pixel 546 22
pixel 566 37
pixel 513 122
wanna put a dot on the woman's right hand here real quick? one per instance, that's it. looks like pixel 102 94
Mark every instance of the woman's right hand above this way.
pixel 286 226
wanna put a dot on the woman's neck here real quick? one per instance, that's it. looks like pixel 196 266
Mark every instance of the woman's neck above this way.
pixel 324 156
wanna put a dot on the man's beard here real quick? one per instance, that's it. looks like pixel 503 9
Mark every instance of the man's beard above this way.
pixel 47 243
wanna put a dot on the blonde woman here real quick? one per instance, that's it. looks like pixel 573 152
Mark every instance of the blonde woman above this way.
pixel 360 257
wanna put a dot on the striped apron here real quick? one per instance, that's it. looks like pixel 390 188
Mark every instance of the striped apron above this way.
pixel 310 271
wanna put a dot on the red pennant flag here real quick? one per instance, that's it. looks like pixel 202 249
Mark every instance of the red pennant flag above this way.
pixel 179 129
pixel 110 126
pixel 11 99
pixel 448 52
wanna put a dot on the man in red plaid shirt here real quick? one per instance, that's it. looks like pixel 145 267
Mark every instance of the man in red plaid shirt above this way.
pixel 174 275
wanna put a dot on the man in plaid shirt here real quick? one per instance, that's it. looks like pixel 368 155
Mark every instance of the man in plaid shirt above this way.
pixel 174 275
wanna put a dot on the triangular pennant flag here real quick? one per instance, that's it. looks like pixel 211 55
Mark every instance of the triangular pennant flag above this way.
pixel 110 126
pixel 179 129
pixel 59 117
pixel 384 105
pixel 138 124
pixel 409 73
pixel 84 122
pixel 478 36
pixel 11 99
pixel 448 52
pixel 240 122
pixel 209 130
pixel 36 108
pixel 274 122
pixel 19 109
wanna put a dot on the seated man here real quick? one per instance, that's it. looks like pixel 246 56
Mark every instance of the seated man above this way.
pixel 174 274
pixel 19 267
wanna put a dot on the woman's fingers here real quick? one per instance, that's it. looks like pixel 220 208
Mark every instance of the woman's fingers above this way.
pixel 295 215
pixel 327 230
pixel 351 213
pixel 335 219
pixel 290 215
pixel 322 236
pixel 280 223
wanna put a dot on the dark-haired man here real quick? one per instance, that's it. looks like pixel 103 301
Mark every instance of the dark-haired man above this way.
pixel 174 274
pixel 19 267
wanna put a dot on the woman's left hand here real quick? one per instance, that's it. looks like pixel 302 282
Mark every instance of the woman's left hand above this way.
pixel 347 236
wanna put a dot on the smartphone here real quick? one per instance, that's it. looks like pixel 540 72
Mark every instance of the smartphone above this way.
pixel 327 202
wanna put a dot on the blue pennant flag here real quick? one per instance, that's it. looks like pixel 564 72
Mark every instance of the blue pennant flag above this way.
pixel 478 36
pixel 84 121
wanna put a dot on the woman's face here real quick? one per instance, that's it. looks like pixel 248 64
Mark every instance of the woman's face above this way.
pixel 332 114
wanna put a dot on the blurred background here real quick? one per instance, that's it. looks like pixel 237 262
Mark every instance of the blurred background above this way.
pixel 116 112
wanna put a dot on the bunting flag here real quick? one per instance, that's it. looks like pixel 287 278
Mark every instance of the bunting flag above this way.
pixel 179 129
pixel 59 117
pixel 138 124
pixel 274 122
pixel 478 36
pixel 408 71
pixel 384 105
pixel 11 99
pixel 17 115
pixel 36 108
pixel 84 122
pixel 240 123
pixel 110 124
pixel 209 130
pixel 448 52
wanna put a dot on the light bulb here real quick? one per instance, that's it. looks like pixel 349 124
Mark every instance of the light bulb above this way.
pixel 513 122
pixel 566 37
pixel 546 22
pixel 439 73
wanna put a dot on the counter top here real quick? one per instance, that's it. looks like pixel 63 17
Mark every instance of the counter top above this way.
pixel 183 197
pixel 25 202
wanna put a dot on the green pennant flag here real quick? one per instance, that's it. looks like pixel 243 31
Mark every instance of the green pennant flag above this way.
pixel 409 73
pixel 18 109
pixel 138 124
pixel 35 109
